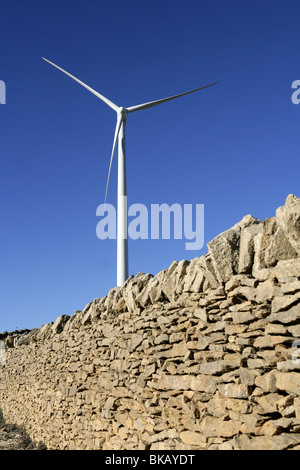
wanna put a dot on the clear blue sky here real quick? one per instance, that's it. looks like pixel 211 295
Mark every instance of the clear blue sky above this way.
pixel 233 147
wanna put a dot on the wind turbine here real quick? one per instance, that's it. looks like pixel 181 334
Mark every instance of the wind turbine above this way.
pixel 122 241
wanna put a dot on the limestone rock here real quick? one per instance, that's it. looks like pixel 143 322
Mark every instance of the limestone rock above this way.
pixel 60 323
pixel 275 245
pixel 281 442
pixel 289 316
pixel 214 427
pixel 285 270
pixel 225 249
pixel 289 382
pixel 247 247
pixel 288 219
pixel 234 390
pixel 193 438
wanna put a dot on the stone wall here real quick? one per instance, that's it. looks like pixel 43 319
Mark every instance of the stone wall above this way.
pixel 204 355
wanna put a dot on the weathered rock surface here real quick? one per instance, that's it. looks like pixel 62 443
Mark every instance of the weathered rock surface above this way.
pixel 204 355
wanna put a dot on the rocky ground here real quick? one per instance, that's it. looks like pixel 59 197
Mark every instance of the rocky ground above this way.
pixel 13 437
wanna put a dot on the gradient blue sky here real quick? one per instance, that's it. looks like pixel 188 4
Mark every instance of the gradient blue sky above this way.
pixel 233 147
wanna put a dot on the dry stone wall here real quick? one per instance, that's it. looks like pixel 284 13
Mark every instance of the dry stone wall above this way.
pixel 203 355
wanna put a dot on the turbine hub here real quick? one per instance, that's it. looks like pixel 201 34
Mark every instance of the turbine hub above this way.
pixel 122 111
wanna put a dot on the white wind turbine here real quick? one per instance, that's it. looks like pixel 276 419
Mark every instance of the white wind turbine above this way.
pixel 122 241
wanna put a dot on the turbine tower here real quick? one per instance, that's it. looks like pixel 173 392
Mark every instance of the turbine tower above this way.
pixel 122 239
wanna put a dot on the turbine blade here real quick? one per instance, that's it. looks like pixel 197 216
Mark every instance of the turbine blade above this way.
pixel 155 103
pixel 106 100
pixel 118 126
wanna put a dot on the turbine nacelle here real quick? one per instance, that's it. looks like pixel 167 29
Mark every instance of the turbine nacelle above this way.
pixel 121 113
